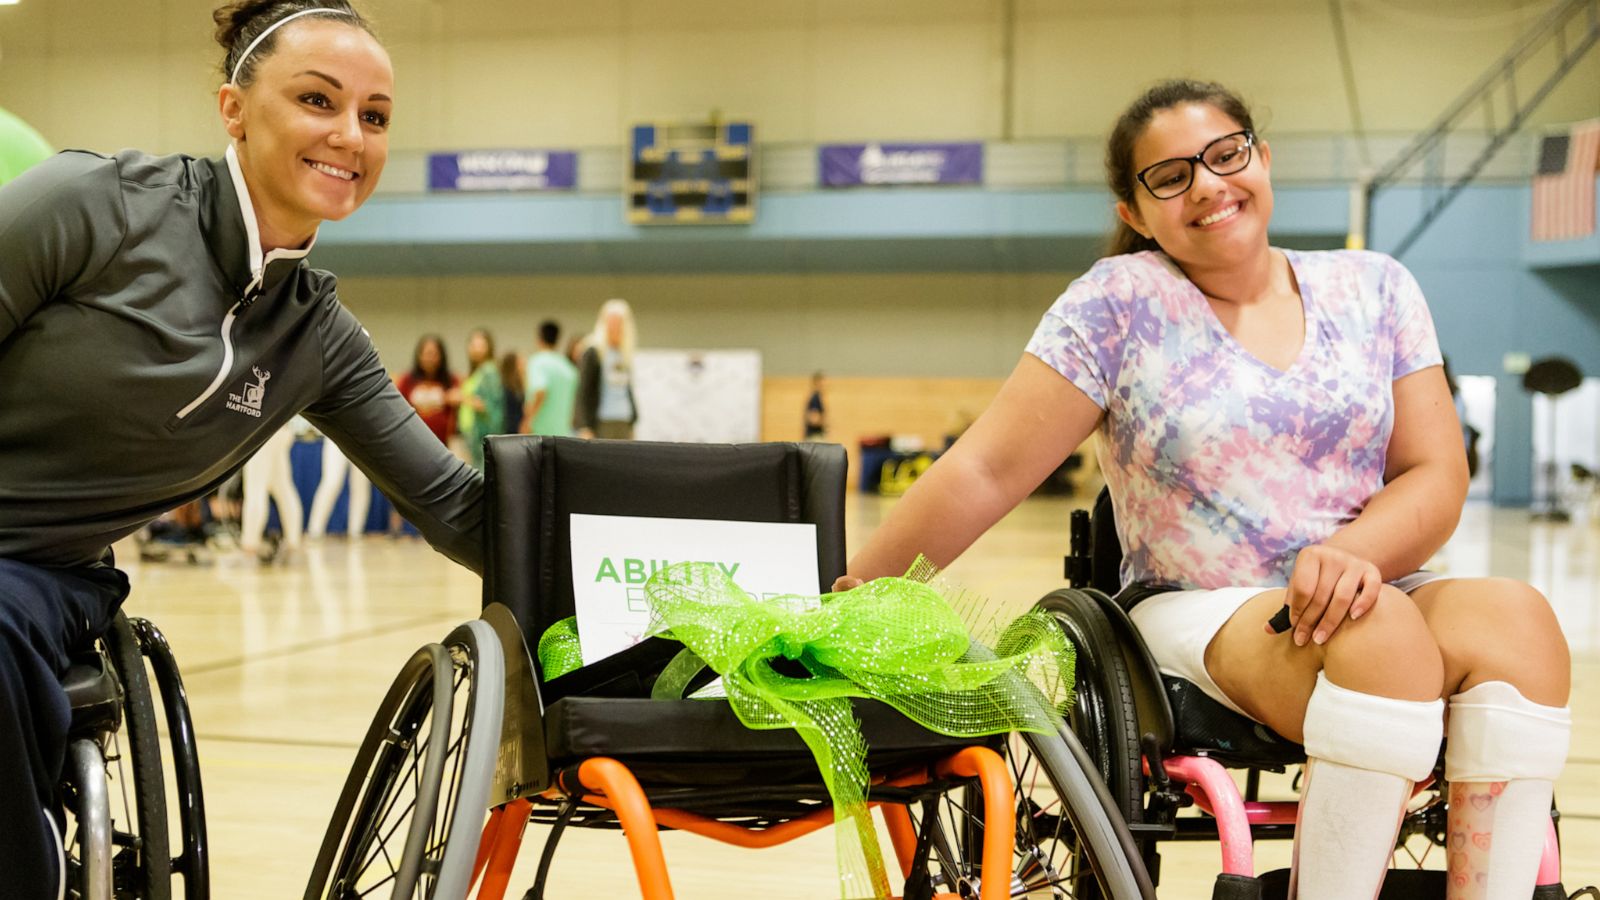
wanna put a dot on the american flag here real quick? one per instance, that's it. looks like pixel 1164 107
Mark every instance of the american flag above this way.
pixel 1564 188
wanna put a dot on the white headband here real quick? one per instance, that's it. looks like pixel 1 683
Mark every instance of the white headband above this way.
pixel 274 27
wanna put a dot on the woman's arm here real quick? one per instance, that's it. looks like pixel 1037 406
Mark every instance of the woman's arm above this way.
pixel 61 223
pixel 1035 422
pixel 1425 481
pixel 363 412
pixel 1407 521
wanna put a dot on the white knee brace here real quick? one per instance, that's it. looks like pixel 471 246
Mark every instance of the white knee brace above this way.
pixel 1366 751
pixel 1496 734
pixel 1379 734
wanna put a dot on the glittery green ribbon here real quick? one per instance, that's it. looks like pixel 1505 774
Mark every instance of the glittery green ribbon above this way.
pixel 559 652
pixel 897 640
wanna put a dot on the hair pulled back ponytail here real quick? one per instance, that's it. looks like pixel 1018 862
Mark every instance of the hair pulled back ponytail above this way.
pixel 241 22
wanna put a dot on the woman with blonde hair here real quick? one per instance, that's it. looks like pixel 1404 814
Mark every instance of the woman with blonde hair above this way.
pixel 605 407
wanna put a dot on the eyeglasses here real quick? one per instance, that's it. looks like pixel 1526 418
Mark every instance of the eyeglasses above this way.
pixel 1224 156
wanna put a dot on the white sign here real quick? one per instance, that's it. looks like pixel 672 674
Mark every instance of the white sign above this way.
pixel 698 396
pixel 613 557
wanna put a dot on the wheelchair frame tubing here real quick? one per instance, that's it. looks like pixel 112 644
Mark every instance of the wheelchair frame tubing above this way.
pixel 94 818
pixel 616 788
pixel 194 862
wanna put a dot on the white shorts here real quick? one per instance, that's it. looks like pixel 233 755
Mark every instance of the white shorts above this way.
pixel 1178 626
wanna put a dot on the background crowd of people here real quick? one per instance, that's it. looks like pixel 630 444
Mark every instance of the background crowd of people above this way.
pixel 580 387
pixel 583 388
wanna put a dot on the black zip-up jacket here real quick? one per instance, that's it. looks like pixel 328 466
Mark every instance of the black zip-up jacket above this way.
pixel 146 352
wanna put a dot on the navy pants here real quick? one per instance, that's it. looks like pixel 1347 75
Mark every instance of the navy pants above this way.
pixel 45 616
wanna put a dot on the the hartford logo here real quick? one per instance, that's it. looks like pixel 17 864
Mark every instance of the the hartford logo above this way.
pixel 254 394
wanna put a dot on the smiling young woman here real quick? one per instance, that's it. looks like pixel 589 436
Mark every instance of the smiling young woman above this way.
pixel 308 109
pixel 159 321
pixel 1276 429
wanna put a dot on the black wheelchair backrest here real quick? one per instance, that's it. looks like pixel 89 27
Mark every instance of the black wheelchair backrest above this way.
pixel 533 485
pixel 1105 550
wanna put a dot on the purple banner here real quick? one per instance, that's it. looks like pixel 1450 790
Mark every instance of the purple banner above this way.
pixel 850 165
pixel 503 170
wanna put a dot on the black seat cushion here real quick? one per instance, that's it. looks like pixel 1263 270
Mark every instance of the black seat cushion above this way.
pixel 93 694
pixel 1207 728
pixel 702 742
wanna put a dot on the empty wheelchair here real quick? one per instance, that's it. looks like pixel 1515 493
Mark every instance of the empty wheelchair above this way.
pixel 1162 745
pixel 118 843
pixel 1004 816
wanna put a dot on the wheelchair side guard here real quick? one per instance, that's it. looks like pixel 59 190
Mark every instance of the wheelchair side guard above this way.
pixel 1150 697
pixel 522 768
pixel 93 694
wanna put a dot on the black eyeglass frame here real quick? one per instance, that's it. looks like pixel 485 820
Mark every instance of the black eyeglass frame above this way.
pixel 1249 154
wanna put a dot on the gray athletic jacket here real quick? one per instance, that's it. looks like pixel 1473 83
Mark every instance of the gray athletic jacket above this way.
pixel 146 352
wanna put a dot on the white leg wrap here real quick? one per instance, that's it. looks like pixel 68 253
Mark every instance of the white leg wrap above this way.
pixel 1496 734
pixel 1504 753
pixel 1365 753
pixel 1344 835
pixel 1380 734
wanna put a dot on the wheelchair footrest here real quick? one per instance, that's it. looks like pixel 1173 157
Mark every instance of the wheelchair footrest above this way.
pixel 1240 887
pixel 1399 884
pixel 1152 832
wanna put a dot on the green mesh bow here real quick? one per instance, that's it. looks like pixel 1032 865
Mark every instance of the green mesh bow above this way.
pixel 896 640
pixel 559 652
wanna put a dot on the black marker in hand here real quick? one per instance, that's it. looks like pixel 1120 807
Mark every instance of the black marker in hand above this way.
pixel 1280 622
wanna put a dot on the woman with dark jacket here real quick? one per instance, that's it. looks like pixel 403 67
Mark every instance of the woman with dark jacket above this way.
pixel 158 323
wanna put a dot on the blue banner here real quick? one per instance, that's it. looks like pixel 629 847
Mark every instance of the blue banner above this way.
pixel 851 165
pixel 503 170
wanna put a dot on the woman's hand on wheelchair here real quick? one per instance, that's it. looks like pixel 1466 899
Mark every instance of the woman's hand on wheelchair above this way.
pixel 1328 586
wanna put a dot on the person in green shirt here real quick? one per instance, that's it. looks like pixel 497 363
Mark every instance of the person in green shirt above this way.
pixel 482 399
pixel 552 386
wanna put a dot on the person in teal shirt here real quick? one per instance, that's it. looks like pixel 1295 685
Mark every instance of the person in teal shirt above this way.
pixel 552 386
pixel 482 399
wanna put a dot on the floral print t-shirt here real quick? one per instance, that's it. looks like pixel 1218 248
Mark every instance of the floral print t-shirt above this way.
pixel 1221 467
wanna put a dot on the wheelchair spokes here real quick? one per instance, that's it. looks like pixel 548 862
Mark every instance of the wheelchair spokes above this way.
pixel 398 812
pixel 1048 859
pixel 1427 821
pixel 421 772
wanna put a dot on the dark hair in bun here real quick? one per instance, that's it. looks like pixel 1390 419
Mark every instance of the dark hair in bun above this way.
pixel 241 22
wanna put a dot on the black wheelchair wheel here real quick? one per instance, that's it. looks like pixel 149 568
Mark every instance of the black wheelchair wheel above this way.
pixel 1103 715
pixel 408 821
pixel 1069 841
pixel 193 860
pixel 142 858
